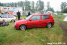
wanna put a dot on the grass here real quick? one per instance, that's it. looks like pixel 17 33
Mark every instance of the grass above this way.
pixel 10 36
pixel 61 18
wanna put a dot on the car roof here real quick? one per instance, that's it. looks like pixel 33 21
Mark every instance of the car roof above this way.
pixel 40 14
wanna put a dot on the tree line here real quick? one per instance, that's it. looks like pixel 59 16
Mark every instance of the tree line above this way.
pixel 26 5
pixel 32 6
pixel 64 7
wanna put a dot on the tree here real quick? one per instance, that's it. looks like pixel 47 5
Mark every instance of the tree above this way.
pixel 39 5
pixel 32 5
pixel 20 4
pixel 64 10
pixel 48 5
pixel 50 9
pixel 63 5
pixel 27 5
pixel 1 4
pixel 15 4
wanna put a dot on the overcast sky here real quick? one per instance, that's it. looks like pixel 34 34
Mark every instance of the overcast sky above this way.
pixel 55 4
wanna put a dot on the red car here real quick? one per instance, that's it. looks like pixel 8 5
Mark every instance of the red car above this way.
pixel 35 20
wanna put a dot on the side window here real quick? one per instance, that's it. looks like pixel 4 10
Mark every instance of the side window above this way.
pixel 4 16
pixel 36 17
pixel 45 17
pixel 10 16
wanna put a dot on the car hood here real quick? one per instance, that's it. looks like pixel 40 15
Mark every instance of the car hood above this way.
pixel 21 20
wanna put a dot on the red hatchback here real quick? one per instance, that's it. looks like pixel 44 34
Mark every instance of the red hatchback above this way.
pixel 35 20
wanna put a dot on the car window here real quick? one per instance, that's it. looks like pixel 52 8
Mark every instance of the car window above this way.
pixel 45 17
pixel 10 16
pixel 36 17
pixel 28 17
pixel 4 16
pixel 0 16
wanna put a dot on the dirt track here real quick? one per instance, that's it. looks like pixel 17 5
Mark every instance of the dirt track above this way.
pixel 64 32
pixel 64 28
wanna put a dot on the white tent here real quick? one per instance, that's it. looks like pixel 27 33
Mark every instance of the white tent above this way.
pixel 65 19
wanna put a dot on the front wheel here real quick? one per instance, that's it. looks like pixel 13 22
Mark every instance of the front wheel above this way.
pixel 23 27
pixel 49 25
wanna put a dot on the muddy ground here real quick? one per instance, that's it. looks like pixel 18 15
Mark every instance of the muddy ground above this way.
pixel 64 28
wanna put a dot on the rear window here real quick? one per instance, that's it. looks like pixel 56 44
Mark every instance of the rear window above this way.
pixel 4 16
pixel 45 17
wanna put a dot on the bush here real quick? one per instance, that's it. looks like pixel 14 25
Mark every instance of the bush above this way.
pixel 64 10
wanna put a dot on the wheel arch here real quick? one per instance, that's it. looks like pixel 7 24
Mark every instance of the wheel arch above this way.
pixel 12 19
pixel 48 22
pixel 23 24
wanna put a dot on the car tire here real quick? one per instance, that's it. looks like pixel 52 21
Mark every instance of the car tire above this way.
pixel 23 27
pixel 12 20
pixel 49 25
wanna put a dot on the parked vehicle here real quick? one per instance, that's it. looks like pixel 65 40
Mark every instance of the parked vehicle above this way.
pixel 47 13
pixel 7 18
pixel 35 20
pixel 64 14
pixel 55 13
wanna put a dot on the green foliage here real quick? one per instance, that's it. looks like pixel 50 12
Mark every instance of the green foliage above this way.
pixel 41 11
pixel 33 10
pixel 50 9
pixel 1 4
pixel 48 5
pixel 39 5
pixel 27 5
pixel 32 5
pixel 63 5
pixel 64 10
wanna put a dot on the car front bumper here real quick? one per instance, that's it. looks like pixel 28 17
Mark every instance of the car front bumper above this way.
pixel 16 27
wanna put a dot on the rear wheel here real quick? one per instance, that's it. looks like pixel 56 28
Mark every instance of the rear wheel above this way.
pixel 23 27
pixel 49 25
pixel 12 20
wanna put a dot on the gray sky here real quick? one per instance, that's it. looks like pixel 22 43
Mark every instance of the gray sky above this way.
pixel 55 4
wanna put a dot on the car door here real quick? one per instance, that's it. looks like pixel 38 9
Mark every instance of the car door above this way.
pixel 10 17
pixel 44 20
pixel 3 17
pixel 34 21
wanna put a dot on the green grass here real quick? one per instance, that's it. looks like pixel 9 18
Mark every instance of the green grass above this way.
pixel 10 36
pixel 61 18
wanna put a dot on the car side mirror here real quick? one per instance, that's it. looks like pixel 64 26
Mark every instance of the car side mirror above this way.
pixel 30 20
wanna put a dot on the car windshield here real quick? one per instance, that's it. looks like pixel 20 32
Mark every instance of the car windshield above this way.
pixel 28 17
